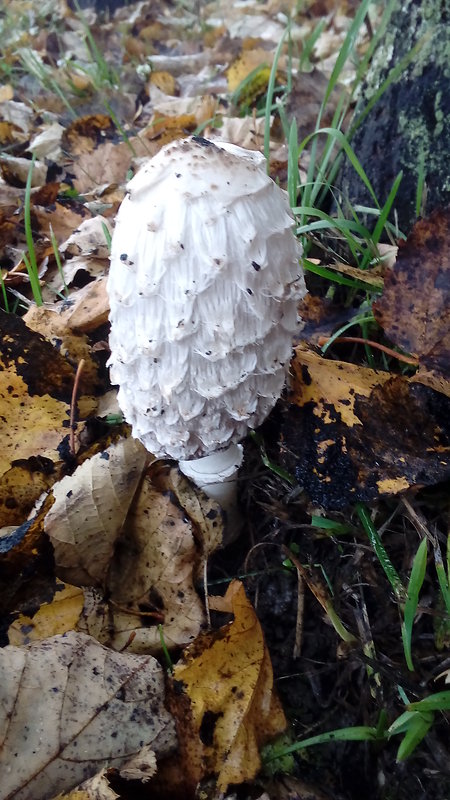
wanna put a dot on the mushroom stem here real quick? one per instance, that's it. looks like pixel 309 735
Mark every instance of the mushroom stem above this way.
pixel 216 475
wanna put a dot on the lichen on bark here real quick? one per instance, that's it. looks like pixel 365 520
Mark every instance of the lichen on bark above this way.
pixel 408 128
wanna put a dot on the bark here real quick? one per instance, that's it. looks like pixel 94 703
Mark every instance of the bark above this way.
pixel 409 126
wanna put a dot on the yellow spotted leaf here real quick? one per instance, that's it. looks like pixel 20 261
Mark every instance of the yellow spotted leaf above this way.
pixel 228 707
pixel 354 434
pixel 58 616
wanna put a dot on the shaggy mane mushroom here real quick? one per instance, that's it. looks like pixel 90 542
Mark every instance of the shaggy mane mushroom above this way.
pixel 203 287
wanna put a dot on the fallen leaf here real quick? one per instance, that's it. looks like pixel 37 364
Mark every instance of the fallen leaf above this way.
pixel 151 578
pixel 90 307
pixel 23 484
pixel 35 393
pixel 15 171
pixel 26 567
pixel 203 511
pixel 164 81
pixel 58 616
pixel 69 706
pixel 257 61
pixel 86 133
pixel 89 510
pixel 353 434
pixel 54 324
pixel 229 707
pixel 414 309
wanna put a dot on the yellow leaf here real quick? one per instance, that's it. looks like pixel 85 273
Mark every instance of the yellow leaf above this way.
pixel 59 616
pixel 227 676
pixel 164 81
pixel 247 62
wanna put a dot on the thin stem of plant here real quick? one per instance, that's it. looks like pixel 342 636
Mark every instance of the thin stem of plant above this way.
pixel 73 405
pixel 360 340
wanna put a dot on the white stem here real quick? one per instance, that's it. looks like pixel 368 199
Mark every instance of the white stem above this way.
pixel 217 475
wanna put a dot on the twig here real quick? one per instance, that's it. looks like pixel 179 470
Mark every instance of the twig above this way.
pixel 359 340
pixel 73 404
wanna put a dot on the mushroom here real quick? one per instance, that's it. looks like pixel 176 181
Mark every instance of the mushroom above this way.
pixel 203 288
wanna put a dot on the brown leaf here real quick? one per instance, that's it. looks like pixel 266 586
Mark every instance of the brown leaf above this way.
pixel 204 512
pixel 54 325
pixel 151 579
pixel 415 307
pixel 90 307
pixel 90 509
pixel 86 133
pixel 68 706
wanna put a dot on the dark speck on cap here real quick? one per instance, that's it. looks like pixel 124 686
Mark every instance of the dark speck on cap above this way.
pixel 204 142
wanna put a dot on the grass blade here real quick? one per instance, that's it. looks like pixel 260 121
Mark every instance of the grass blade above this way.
pixel 30 260
pixel 412 599
pixel 388 567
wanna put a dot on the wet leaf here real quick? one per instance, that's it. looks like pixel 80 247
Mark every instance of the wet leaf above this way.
pixel 414 309
pixel 223 721
pixel 353 434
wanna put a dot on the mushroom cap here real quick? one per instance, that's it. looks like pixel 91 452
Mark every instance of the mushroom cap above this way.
pixel 203 288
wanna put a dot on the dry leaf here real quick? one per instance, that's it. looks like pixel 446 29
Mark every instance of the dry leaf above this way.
pixel 203 511
pixel 228 707
pixel 89 511
pixel 70 706
pixel 151 579
pixel 246 63
pixel 15 171
pixel 86 133
pixel 90 307
pixel 35 392
pixel 55 326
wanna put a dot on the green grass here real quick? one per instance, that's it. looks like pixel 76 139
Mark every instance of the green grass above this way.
pixel 413 724
pixel 30 258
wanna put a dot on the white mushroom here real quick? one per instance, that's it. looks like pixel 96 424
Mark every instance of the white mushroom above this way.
pixel 203 287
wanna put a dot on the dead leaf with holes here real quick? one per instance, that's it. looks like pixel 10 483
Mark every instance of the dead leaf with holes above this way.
pixel 69 706
pixel 414 309
pixel 223 698
pixel 354 434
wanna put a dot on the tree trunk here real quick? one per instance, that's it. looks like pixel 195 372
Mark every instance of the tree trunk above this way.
pixel 408 128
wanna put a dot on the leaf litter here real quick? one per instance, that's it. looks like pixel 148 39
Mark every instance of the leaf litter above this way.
pixel 136 542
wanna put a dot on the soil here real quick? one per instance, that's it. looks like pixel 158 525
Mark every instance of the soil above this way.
pixel 332 684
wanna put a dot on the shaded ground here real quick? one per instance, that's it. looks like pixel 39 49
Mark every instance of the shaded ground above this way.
pixel 332 684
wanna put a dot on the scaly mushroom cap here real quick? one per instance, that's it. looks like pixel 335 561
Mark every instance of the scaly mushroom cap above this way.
pixel 203 288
